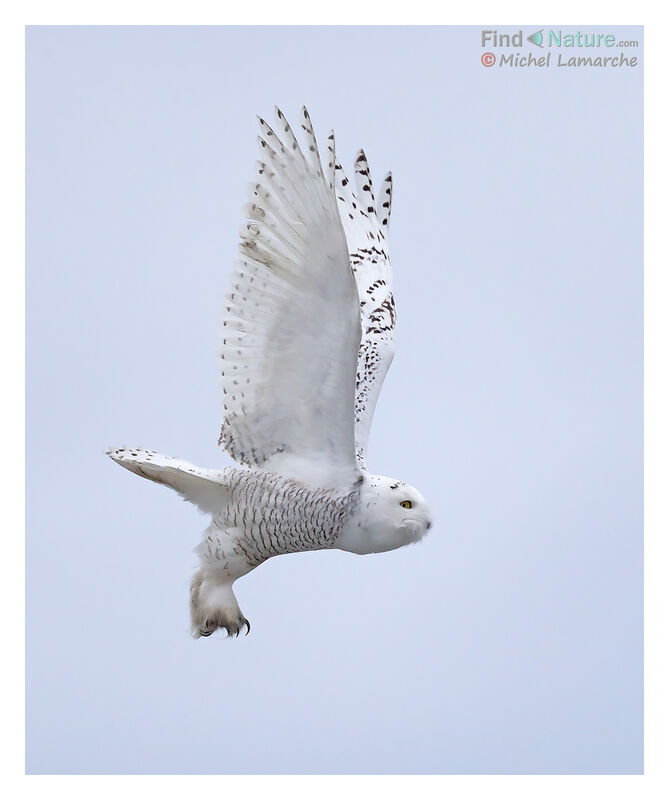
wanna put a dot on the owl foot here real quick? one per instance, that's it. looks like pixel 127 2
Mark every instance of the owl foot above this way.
pixel 213 605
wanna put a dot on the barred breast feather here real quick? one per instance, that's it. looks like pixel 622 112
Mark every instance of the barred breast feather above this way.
pixel 271 515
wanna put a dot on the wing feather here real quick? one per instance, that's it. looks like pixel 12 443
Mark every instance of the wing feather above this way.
pixel 365 222
pixel 292 328
pixel 206 488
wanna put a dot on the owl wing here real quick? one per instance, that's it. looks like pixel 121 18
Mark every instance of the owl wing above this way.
pixel 292 328
pixel 365 222
pixel 206 488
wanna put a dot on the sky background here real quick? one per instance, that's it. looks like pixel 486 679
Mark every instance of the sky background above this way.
pixel 510 640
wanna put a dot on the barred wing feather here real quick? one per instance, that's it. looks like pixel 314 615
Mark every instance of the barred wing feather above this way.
pixel 366 220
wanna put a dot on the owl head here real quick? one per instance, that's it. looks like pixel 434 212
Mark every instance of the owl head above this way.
pixel 392 514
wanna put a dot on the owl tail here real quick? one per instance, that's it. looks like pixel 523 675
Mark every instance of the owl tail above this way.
pixel 205 488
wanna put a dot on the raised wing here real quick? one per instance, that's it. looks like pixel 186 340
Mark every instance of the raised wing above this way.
pixel 292 328
pixel 366 223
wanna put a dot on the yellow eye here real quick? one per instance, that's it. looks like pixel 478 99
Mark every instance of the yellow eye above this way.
pixel 406 503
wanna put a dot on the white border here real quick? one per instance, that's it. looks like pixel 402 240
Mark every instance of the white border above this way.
pixel 654 783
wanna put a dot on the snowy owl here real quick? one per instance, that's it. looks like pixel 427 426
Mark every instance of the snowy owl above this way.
pixel 308 336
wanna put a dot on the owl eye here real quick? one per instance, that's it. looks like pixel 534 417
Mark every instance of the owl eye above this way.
pixel 406 503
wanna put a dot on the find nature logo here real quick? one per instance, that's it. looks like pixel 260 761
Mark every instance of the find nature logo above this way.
pixel 557 48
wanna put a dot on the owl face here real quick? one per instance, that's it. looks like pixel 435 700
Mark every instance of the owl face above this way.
pixel 392 514
pixel 403 509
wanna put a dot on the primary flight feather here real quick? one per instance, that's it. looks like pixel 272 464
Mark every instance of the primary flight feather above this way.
pixel 308 336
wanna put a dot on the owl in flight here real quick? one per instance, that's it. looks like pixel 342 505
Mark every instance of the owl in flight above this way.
pixel 308 336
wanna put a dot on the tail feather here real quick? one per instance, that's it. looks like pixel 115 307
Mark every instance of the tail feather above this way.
pixel 205 488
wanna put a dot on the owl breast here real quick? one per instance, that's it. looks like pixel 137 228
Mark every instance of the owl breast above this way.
pixel 273 515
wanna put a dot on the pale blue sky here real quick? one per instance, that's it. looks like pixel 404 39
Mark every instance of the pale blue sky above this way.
pixel 510 641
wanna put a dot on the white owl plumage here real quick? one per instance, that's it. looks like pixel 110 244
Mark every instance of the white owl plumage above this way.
pixel 308 338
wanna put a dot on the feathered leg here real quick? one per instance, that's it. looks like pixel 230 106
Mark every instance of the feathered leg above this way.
pixel 213 604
